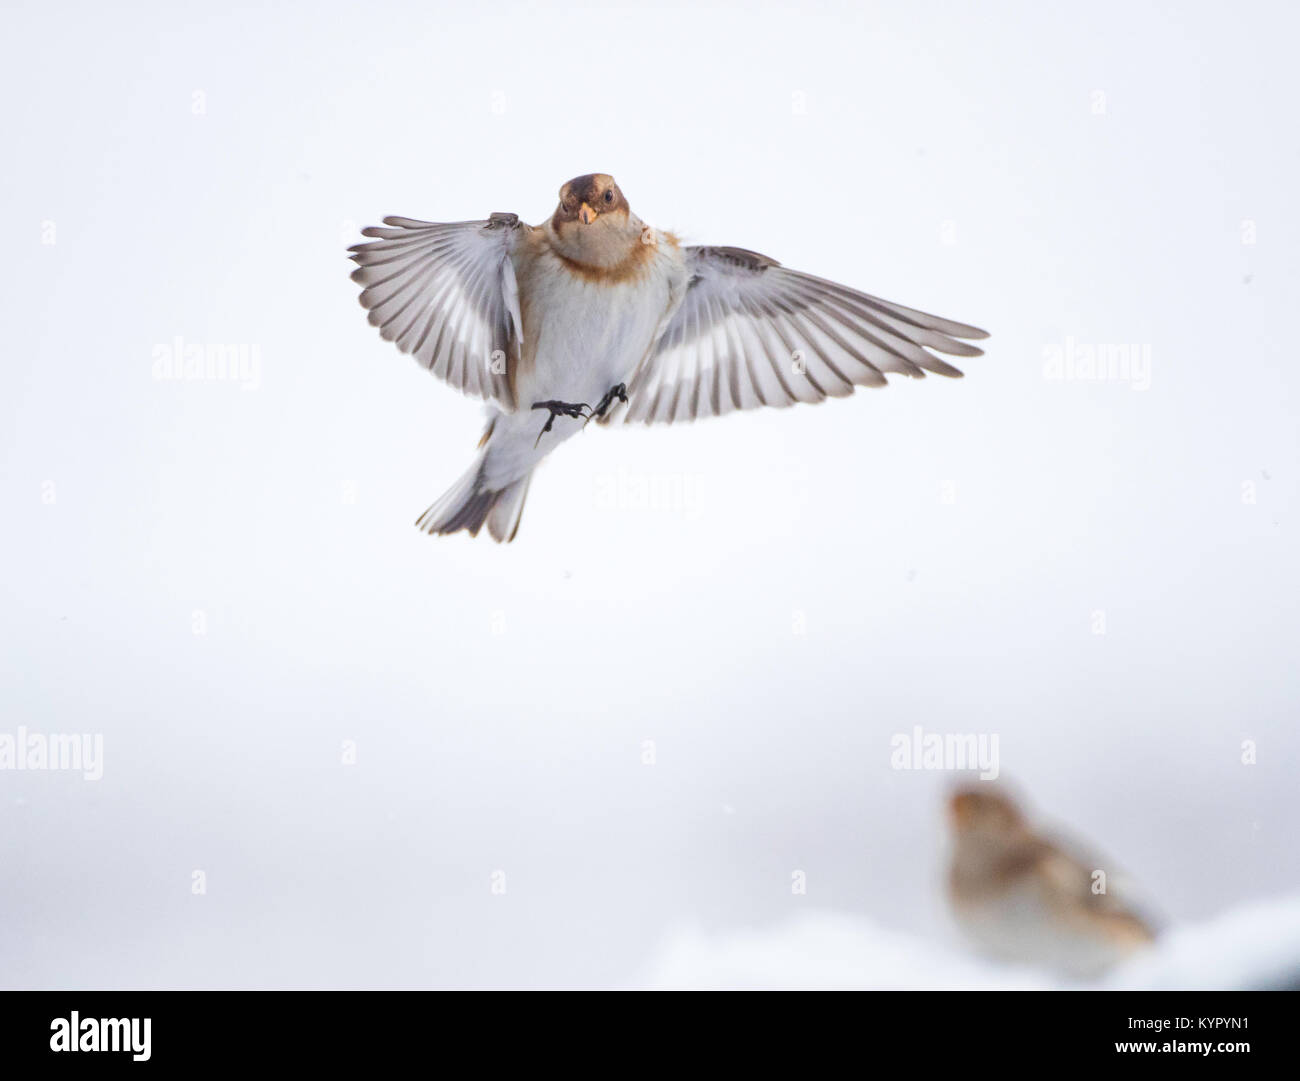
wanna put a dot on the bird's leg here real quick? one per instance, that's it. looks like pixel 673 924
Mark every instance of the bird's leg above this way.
pixel 619 392
pixel 559 409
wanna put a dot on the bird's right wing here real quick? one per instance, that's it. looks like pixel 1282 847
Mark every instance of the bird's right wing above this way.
pixel 447 295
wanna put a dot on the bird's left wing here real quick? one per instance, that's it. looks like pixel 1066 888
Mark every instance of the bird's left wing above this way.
pixel 750 332
pixel 1072 870
pixel 447 294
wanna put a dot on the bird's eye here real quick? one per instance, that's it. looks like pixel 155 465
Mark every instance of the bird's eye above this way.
pixel 609 196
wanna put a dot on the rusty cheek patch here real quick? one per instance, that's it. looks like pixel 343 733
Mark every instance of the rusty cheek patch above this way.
pixel 562 216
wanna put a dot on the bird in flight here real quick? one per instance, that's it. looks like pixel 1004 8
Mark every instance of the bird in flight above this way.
pixel 1025 898
pixel 595 315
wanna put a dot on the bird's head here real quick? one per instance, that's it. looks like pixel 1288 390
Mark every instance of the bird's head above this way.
pixel 975 812
pixel 593 221
pixel 586 199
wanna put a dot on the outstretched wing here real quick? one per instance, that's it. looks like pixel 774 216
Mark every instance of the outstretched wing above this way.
pixel 750 332
pixel 447 295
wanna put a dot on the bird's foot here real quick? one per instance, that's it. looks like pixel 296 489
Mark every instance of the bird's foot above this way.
pixel 602 406
pixel 559 409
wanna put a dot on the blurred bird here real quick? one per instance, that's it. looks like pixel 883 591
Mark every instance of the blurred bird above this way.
pixel 594 312
pixel 1024 899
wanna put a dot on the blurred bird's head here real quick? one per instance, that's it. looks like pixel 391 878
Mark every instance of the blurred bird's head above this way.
pixel 593 222
pixel 981 814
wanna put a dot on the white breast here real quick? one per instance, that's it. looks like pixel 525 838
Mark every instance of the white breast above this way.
pixel 583 337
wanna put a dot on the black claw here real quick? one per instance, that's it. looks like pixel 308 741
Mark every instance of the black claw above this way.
pixel 602 406
pixel 559 409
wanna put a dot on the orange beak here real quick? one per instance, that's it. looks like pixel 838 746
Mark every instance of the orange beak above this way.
pixel 587 214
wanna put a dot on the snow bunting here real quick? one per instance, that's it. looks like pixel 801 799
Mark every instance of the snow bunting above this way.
pixel 1023 898
pixel 594 313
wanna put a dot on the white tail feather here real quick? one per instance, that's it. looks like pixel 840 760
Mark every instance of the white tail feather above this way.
pixel 468 504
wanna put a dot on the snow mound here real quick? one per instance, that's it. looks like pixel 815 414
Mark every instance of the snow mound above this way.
pixel 1252 947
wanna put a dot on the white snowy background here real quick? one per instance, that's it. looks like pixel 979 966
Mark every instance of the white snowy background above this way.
pixel 224 581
